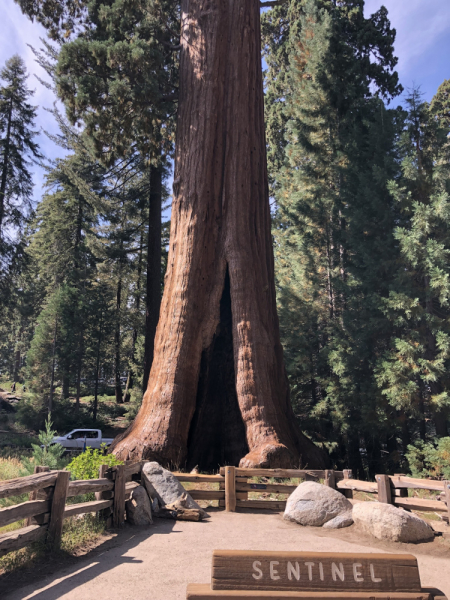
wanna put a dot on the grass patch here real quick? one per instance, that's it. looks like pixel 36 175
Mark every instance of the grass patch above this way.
pixel 79 533
pixel 9 468
pixel 24 557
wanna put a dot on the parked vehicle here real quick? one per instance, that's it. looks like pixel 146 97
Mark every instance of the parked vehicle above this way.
pixel 80 439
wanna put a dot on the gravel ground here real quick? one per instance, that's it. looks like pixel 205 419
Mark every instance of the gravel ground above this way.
pixel 158 562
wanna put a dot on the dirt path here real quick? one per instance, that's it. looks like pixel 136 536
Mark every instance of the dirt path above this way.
pixel 160 561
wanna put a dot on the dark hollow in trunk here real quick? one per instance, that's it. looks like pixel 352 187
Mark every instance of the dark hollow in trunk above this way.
pixel 220 223
pixel 217 433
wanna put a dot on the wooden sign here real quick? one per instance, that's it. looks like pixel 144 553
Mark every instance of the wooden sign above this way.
pixel 314 571
pixel 200 591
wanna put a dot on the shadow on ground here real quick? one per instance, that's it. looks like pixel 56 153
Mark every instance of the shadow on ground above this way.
pixel 74 571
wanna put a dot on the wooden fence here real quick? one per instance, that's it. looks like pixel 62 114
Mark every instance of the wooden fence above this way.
pixel 390 489
pixel 48 491
pixel 238 486
pixel 47 506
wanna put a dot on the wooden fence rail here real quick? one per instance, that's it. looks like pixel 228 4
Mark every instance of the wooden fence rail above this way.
pixel 48 491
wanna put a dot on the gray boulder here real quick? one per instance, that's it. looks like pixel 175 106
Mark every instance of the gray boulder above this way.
pixel 387 522
pixel 315 504
pixel 138 507
pixel 163 486
pixel 343 520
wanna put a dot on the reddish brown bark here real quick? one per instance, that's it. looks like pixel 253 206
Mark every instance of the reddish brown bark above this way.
pixel 218 390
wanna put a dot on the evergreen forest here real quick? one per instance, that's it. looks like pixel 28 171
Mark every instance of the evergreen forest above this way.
pixel 359 181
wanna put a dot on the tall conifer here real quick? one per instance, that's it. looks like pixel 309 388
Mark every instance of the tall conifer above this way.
pixel 335 221
pixel 414 373
pixel 17 145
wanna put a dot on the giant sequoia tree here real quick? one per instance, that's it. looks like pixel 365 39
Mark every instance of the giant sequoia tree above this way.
pixel 218 390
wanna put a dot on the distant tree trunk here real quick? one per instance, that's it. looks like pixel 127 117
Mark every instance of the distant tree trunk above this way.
pixel 218 390
pixel 79 369
pixel 52 378
pixel 117 384
pixel 354 455
pixel 97 369
pixel 137 304
pixel 81 324
pixel 406 435
pixel 153 302
pixel 17 356
pixel 16 365
pixel 66 384
pixel 440 419
pixel 421 419
pixel 5 165
pixel 374 460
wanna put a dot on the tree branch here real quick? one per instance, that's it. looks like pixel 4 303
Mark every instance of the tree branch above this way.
pixel 172 47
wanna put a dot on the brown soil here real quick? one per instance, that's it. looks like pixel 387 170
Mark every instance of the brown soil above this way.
pixel 159 561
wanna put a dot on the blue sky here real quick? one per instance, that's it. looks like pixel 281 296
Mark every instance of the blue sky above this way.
pixel 422 46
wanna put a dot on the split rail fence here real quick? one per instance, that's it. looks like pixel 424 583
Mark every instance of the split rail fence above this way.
pixel 47 507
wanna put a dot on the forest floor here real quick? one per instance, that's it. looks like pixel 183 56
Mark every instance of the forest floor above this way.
pixel 159 561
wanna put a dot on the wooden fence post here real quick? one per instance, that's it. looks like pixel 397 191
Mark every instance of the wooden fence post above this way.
pixel 348 475
pixel 57 511
pixel 384 489
pixel 35 496
pixel 400 492
pixel 330 479
pixel 119 496
pixel 230 489
pixel 447 498
pixel 106 512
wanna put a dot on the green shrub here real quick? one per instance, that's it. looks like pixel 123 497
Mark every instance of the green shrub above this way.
pixel 87 464
pixel 430 459
pixel 45 453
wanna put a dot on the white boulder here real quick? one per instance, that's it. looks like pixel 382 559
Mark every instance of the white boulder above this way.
pixel 389 523
pixel 162 485
pixel 315 504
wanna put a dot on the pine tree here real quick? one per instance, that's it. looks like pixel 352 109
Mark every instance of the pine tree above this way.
pixel 335 222
pixel 414 373
pixel 120 77
pixel 17 146
pixel 440 104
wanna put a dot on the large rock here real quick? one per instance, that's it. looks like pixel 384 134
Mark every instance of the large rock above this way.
pixel 387 522
pixel 161 484
pixel 138 507
pixel 315 504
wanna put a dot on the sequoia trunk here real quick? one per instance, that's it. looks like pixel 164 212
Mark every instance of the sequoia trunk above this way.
pixel 217 390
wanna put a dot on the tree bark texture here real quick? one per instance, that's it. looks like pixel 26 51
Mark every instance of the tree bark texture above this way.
pixel 218 391
pixel 153 298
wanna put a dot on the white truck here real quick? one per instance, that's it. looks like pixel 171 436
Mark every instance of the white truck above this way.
pixel 80 439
